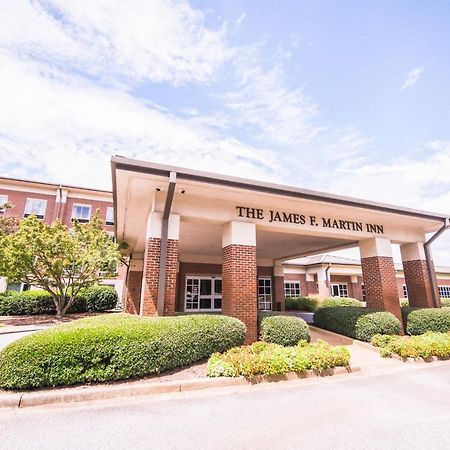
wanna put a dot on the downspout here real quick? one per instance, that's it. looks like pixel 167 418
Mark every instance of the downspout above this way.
pixel 328 279
pixel 164 241
pixel 59 202
pixel 430 265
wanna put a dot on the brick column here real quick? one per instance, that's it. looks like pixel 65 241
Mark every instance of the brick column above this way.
pixel 417 279
pixel 132 298
pixel 311 285
pixel 324 288
pixel 380 283
pixel 239 275
pixel 149 296
pixel 278 287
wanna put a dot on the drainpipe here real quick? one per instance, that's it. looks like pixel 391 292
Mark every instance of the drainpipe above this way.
pixel 430 265
pixel 164 240
pixel 328 279
pixel 58 216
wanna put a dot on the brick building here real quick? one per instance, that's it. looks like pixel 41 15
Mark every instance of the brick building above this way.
pixel 204 242
pixel 52 201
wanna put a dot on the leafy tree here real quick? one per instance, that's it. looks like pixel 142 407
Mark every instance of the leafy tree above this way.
pixel 56 259
pixel 8 224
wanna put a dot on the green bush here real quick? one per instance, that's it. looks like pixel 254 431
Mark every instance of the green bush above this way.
pixel 263 358
pixel 302 303
pixel 355 322
pixel 333 302
pixel 404 303
pixel 419 321
pixel 114 348
pixel 445 302
pixel 284 330
pixel 422 346
pixel 95 298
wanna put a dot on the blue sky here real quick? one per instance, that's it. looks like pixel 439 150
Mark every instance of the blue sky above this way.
pixel 350 97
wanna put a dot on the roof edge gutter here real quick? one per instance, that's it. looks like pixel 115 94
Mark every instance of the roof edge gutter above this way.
pixel 430 264
pixel 164 241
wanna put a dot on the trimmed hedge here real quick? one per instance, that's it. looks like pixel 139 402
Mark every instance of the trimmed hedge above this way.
pixel 309 304
pixel 355 322
pixel 419 321
pixel 334 302
pixel 284 330
pixel 262 358
pixel 96 298
pixel 445 302
pixel 114 348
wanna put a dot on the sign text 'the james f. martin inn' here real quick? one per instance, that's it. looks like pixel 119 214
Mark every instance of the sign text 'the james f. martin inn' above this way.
pixel 302 219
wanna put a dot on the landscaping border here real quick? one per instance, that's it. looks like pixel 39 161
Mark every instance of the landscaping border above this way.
pixel 105 392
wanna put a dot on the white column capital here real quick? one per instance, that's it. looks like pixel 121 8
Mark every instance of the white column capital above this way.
pixel 154 226
pixel 412 251
pixel 278 271
pixel 375 247
pixel 239 233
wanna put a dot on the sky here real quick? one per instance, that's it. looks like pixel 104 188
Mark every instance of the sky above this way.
pixel 348 97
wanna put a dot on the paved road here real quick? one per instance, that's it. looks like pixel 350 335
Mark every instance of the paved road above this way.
pixel 7 338
pixel 405 410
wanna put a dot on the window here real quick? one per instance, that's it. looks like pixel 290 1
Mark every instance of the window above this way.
pixel 363 292
pixel 264 294
pixel 82 213
pixel 405 291
pixel 36 207
pixel 20 287
pixel 203 294
pixel 3 202
pixel 292 289
pixel 339 290
pixel 444 291
pixel 109 216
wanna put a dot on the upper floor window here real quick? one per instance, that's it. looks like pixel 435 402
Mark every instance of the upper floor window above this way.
pixel 3 202
pixel 82 213
pixel 109 215
pixel 36 207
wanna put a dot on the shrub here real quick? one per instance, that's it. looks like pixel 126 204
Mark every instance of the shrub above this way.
pixel 263 358
pixel 404 302
pixel 424 345
pixel 95 298
pixel 419 321
pixel 114 348
pixel 284 330
pixel 355 322
pixel 445 302
pixel 333 302
pixel 302 303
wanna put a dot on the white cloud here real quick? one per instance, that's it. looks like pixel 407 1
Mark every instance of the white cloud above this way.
pixel 412 78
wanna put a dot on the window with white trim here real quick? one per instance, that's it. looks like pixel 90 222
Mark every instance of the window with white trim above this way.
pixel 405 291
pixel 339 290
pixel 109 216
pixel 19 287
pixel 203 294
pixel 363 292
pixel 35 206
pixel 82 213
pixel 3 202
pixel 444 291
pixel 292 289
pixel 265 294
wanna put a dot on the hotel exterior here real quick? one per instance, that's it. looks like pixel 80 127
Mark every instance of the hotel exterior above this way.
pixel 202 242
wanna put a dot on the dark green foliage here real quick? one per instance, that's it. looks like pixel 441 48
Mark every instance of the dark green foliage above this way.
pixel 333 302
pixel 302 303
pixel 95 298
pixel 355 322
pixel 445 302
pixel 114 348
pixel 420 321
pixel 284 330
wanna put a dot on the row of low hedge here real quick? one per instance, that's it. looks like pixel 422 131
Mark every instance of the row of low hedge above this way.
pixel 422 346
pixel 355 322
pixel 284 330
pixel 262 358
pixel 114 348
pixel 445 302
pixel 313 303
pixel 419 321
pixel 95 298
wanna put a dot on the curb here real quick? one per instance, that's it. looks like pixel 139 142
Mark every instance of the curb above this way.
pixel 419 360
pixel 20 331
pixel 89 393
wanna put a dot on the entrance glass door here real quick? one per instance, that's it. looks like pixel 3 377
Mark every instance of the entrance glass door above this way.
pixel 203 294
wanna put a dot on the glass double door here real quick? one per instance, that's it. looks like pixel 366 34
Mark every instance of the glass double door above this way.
pixel 203 294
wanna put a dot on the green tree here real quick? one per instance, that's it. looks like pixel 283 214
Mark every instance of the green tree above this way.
pixel 8 224
pixel 56 259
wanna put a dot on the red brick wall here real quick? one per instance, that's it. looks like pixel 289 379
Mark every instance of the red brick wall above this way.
pixel 418 284
pixel 380 284
pixel 170 294
pixel 239 292
pixel 357 289
pixel 132 301
pixel 278 303
pixel 343 279
pixel 311 288
pixel 95 204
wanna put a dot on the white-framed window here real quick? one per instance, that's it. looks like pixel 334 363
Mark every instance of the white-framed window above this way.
pixel 265 294
pixel 35 206
pixel 203 294
pixel 19 287
pixel 405 291
pixel 82 213
pixel 363 292
pixel 444 291
pixel 3 202
pixel 339 290
pixel 292 289
pixel 109 216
